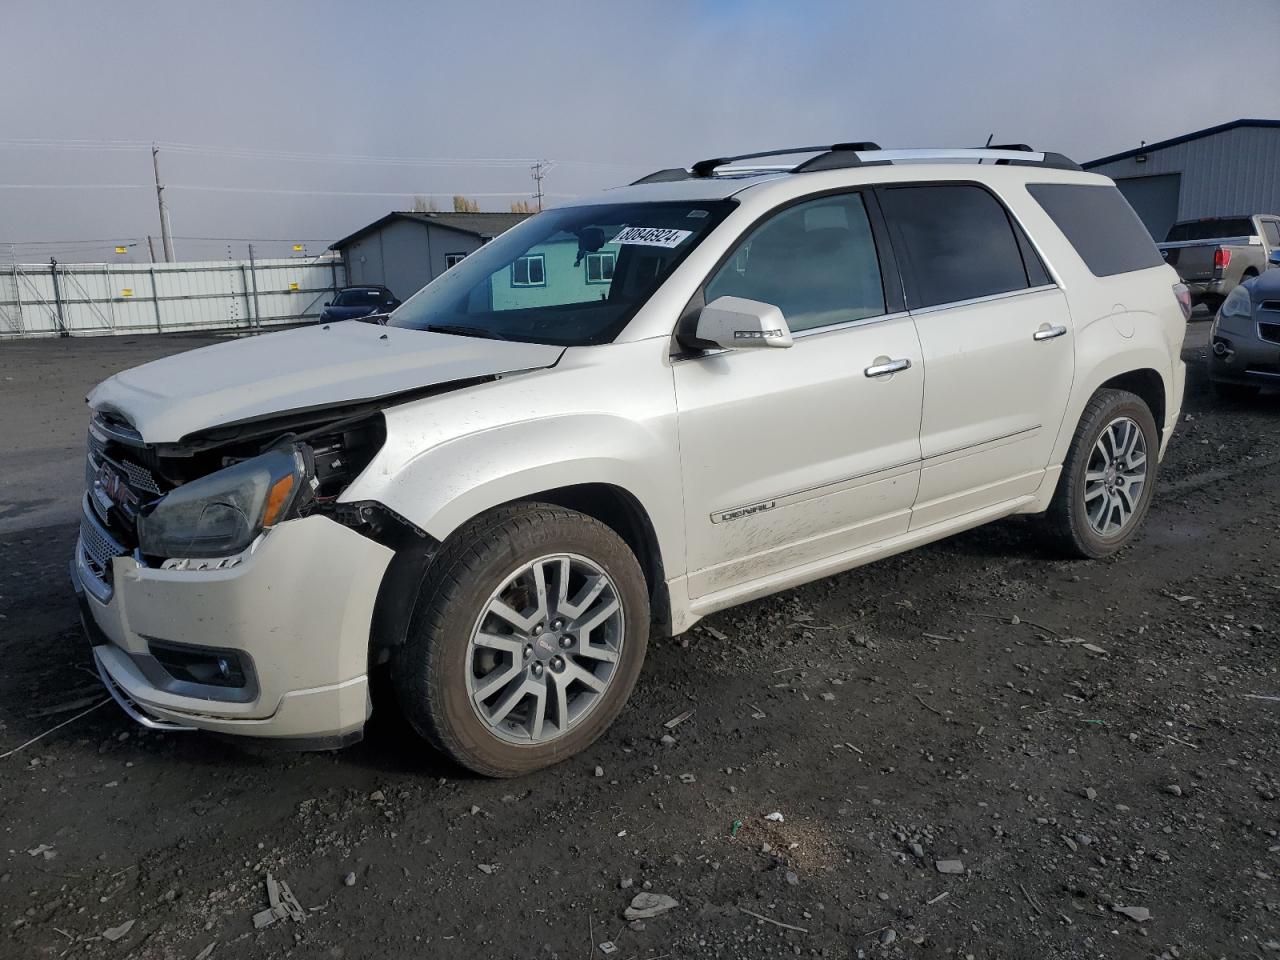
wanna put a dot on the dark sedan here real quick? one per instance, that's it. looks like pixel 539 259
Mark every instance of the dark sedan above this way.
pixel 1244 353
pixel 351 303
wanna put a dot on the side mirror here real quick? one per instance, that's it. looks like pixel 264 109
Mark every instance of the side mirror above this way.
pixel 736 323
pixel 326 303
pixel 1274 258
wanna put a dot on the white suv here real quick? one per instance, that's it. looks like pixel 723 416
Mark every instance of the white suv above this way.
pixel 619 417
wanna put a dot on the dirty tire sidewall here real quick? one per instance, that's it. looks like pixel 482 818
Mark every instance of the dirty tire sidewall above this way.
pixel 430 668
pixel 1068 520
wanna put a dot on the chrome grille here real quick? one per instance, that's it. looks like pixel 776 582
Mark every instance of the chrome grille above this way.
pixel 97 444
pixel 139 477
pixel 97 545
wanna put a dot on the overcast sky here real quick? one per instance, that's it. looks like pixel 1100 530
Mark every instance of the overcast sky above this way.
pixel 606 90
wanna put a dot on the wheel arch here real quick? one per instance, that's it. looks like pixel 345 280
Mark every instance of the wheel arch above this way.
pixel 1145 383
pixel 619 510
pixel 1142 369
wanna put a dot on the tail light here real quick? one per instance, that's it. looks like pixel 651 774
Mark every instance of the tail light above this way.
pixel 1221 259
pixel 1183 296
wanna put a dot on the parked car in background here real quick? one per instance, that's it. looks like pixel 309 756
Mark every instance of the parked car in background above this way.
pixel 1244 343
pixel 352 303
pixel 1215 255
pixel 614 419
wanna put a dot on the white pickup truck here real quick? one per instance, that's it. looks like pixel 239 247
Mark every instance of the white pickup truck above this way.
pixel 1214 255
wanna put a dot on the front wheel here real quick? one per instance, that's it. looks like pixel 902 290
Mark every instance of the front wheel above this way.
pixel 1108 477
pixel 526 641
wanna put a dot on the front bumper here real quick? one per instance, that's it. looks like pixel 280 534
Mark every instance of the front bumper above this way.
pixel 1244 359
pixel 296 610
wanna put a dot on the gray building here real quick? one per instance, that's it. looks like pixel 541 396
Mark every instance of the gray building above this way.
pixel 406 251
pixel 1227 170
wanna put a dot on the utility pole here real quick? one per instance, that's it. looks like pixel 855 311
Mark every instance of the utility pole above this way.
pixel 165 237
pixel 537 183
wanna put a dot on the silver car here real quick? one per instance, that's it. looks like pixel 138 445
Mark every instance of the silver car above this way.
pixel 1244 353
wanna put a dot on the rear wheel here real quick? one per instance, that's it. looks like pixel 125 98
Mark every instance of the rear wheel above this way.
pixel 1108 478
pixel 526 641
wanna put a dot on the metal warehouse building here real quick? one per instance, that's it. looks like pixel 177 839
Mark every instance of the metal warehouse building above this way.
pixel 406 251
pixel 1227 170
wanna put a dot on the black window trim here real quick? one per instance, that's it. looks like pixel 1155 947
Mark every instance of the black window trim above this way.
pixel 686 344
pixel 1022 237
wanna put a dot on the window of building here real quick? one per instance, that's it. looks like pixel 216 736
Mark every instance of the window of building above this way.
pixel 600 267
pixel 815 261
pixel 453 259
pixel 1100 225
pixel 957 242
pixel 529 271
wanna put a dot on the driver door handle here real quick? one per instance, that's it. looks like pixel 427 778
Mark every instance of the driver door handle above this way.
pixel 887 367
pixel 1047 332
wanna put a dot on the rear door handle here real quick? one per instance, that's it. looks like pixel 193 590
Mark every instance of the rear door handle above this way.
pixel 883 367
pixel 1047 332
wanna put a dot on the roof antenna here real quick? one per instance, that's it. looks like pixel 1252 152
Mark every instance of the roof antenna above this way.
pixel 990 137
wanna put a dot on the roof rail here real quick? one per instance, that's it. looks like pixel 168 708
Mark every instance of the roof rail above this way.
pixel 842 155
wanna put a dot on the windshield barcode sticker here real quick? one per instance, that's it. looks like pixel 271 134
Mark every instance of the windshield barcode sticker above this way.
pixel 652 236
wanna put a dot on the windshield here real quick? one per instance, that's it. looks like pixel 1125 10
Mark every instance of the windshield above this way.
pixel 359 298
pixel 568 277
pixel 1209 230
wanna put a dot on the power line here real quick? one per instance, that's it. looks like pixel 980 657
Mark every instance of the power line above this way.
pixel 256 153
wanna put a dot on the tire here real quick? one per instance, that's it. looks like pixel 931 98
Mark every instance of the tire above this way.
pixel 1234 392
pixel 1073 522
pixel 457 647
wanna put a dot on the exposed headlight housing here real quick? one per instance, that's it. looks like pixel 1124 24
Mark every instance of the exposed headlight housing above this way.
pixel 1236 312
pixel 221 514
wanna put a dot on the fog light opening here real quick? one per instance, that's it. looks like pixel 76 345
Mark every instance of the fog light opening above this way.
pixel 211 668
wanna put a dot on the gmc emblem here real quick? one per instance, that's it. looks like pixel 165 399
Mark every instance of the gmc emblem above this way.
pixel 115 489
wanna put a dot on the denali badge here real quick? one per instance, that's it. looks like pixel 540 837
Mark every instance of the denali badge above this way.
pixel 739 512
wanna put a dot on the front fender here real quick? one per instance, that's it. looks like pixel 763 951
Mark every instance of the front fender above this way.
pixel 441 488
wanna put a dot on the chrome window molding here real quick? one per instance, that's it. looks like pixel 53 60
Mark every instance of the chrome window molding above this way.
pixel 990 298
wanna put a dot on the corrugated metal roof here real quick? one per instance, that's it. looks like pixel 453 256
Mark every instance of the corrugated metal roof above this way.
pixel 1185 138
pixel 476 224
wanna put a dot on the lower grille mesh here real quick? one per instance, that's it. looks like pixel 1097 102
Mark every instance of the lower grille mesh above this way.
pixel 98 546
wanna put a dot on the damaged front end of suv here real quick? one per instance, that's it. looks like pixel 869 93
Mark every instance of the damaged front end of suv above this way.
pixel 222 522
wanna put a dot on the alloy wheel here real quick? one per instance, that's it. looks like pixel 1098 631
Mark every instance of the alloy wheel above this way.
pixel 1116 477
pixel 544 648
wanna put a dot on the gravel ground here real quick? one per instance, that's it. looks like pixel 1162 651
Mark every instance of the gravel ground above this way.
pixel 974 749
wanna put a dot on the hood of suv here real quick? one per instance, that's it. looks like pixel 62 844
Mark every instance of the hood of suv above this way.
pixel 302 369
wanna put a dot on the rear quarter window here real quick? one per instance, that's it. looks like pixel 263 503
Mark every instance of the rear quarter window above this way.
pixel 1100 224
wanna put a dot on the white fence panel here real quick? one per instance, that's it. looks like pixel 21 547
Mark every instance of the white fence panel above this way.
pixel 93 299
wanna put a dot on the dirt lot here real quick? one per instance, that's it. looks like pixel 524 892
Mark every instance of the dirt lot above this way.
pixel 1081 736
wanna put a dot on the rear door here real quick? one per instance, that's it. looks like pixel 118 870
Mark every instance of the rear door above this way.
pixel 996 338
pixel 791 456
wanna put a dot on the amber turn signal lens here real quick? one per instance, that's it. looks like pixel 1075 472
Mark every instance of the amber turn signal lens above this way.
pixel 277 500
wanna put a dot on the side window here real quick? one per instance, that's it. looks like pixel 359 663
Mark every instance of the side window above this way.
pixel 958 243
pixel 815 261
pixel 1272 230
pixel 1101 226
